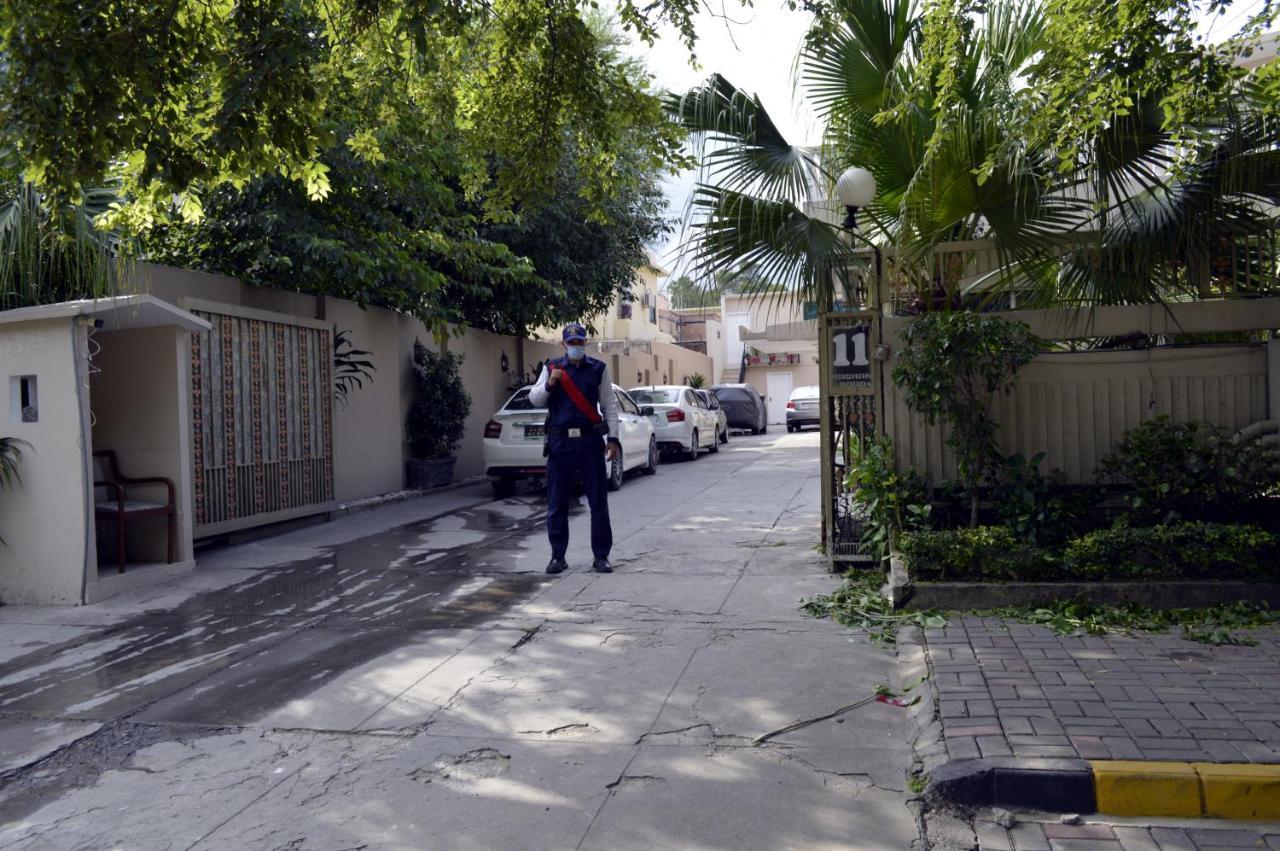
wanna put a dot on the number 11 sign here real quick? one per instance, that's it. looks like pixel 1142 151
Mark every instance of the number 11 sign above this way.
pixel 850 356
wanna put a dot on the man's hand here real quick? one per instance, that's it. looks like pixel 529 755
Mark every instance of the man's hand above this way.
pixel 554 377
pixel 611 451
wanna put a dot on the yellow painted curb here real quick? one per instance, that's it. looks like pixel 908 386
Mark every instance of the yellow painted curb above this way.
pixel 1185 789
pixel 1240 791
pixel 1125 788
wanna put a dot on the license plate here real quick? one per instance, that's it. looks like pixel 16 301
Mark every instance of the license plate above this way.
pixel 534 432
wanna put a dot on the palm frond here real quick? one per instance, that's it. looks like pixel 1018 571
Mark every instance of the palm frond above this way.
pixel 741 148
pixel 774 245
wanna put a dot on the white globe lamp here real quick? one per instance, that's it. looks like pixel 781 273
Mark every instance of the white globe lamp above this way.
pixel 855 188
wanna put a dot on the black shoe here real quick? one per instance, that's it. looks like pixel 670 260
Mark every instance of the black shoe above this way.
pixel 602 565
pixel 556 565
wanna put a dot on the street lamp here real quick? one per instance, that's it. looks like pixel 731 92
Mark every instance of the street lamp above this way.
pixel 855 188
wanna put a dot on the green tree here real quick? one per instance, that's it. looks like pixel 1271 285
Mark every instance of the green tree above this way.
pixel 398 230
pixel 187 96
pixel 1134 214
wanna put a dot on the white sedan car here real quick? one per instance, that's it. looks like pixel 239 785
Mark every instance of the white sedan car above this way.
pixel 685 423
pixel 513 442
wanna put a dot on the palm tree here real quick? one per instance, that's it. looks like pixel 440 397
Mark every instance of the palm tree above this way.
pixel 54 252
pixel 1118 224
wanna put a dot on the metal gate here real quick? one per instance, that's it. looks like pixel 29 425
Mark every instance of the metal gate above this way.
pixel 851 406
pixel 261 416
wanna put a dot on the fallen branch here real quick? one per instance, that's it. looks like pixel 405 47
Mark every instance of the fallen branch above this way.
pixel 802 724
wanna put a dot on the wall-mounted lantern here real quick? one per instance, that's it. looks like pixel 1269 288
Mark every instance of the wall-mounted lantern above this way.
pixel 506 364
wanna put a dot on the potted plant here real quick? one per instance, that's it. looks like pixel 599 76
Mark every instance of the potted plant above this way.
pixel 437 418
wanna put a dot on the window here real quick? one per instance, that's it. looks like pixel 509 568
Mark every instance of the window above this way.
pixel 627 406
pixel 691 399
pixel 655 397
pixel 624 310
pixel 520 402
pixel 653 316
pixel 24 407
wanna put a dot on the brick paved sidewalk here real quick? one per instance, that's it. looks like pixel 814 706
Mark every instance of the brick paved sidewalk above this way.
pixel 1011 689
pixel 1100 836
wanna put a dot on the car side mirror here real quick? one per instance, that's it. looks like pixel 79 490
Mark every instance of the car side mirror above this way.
pixel 646 411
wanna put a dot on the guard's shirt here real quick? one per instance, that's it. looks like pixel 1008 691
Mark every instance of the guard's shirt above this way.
pixel 592 378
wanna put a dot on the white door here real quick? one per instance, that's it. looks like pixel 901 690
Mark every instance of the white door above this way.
pixel 732 322
pixel 779 391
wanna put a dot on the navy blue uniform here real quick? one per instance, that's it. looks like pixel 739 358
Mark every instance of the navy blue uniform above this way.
pixel 582 455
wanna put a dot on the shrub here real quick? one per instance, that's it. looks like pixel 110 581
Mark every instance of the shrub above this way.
pixel 980 553
pixel 1037 507
pixel 1180 551
pixel 951 366
pixel 438 417
pixel 890 502
pixel 1189 471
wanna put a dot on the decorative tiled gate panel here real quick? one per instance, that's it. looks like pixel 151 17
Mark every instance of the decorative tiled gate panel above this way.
pixel 261 418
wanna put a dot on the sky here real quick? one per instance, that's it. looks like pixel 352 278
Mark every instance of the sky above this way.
pixel 755 49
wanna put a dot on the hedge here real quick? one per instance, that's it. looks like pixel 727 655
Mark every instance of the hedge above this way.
pixel 1179 551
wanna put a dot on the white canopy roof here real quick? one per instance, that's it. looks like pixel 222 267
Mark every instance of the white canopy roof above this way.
pixel 117 313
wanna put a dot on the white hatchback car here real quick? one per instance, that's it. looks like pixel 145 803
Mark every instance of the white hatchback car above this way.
pixel 685 423
pixel 513 442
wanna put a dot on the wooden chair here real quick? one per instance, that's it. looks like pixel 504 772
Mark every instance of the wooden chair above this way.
pixel 116 504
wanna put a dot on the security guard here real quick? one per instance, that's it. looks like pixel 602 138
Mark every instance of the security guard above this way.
pixel 582 427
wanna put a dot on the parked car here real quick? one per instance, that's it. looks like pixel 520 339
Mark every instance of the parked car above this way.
pixel 803 408
pixel 513 442
pixel 685 423
pixel 743 406
pixel 713 404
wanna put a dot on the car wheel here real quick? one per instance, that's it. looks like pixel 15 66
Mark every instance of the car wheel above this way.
pixel 724 436
pixel 504 488
pixel 764 429
pixel 615 472
pixel 652 466
pixel 755 430
pixel 693 446
pixel 715 442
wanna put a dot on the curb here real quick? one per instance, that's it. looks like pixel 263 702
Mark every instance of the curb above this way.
pixel 369 503
pixel 1112 787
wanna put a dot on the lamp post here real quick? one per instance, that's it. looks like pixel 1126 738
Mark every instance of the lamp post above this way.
pixel 856 188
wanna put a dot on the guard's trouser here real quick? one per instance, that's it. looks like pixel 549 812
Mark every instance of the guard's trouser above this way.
pixel 585 456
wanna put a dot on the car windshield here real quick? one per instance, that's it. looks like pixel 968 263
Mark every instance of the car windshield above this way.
pixel 654 397
pixel 805 393
pixel 732 394
pixel 520 402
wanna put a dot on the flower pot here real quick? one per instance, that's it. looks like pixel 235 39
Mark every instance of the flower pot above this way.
pixel 430 473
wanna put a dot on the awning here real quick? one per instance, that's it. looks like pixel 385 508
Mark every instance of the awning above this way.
pixel 799 337
pixel 117 313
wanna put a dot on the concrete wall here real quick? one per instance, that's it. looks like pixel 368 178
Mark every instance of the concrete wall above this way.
pixel 368 434
pixel 140 408
pixel 667 363
pixel 44 560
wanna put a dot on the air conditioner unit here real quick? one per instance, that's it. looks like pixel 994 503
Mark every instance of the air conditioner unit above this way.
pixel 626 351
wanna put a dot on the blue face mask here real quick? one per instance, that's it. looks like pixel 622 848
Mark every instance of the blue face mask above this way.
pixel 576 352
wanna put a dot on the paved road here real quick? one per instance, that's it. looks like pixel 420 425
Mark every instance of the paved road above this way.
pixel 390 681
